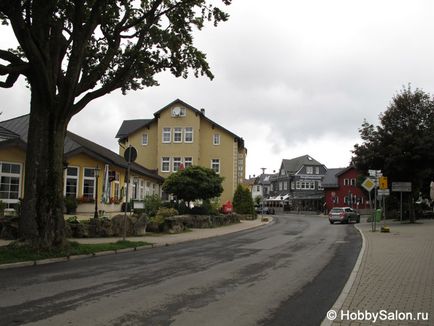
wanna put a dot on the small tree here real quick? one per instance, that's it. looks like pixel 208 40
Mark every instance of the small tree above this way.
pixel 243 202
pixel 195 182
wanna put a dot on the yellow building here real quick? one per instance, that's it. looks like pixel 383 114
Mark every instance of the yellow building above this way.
pixel 181 135
pixel 90 171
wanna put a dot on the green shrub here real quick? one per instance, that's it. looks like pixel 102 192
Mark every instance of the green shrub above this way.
pixel 152 205
pixel 2 208
pixel 243 202
pixel 70 204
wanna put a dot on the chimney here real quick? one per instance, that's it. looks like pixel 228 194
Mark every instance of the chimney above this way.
pixel 202 110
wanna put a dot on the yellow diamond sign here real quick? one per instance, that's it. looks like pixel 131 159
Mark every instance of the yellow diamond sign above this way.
pixel 368 184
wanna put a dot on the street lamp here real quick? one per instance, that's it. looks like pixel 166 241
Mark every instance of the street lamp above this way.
pixel 96 174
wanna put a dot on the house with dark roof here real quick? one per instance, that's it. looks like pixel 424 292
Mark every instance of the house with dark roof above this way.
pixel 341 189
pixel 180 135
pixel 91 170
pixel 298 185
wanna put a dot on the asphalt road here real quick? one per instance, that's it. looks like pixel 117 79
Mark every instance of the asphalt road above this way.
pixel 287 273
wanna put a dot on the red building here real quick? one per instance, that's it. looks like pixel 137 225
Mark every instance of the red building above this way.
pixel 340 188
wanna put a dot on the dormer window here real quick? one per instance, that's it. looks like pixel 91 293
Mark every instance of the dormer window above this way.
pixel 178 111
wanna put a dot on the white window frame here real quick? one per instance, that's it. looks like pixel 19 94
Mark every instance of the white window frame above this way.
pixel 216 139
pixel 117 190
pixel 309 169
pixel 188 160
pixel 215 165
pixel 177 132
pixel 165 159
pixel 145 139
pixel 89 178
pixel 176 163
pixel 12 175
pixel 66 177
pixel 316 169
pixel 188 131
pixel 346 182
pixel 320 187
pixel 166 135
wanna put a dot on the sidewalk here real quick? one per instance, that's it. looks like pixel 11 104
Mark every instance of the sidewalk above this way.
pixel 168 239
pixel 396 274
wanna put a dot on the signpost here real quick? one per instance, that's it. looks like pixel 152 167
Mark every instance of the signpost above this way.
pixel 401 187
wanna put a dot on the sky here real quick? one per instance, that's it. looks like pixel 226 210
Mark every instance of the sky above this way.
pixel 291 77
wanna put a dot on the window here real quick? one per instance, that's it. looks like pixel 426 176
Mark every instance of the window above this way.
pixel 316 169
pixel 285 186
pixel 188 135
pixel 165 164
pixel 177 135
pixel 320 187
pixel 216 139
pixel 10 177
pixel 353 182
pixel 258 188
pixel 281 185
pixel 346 182
pixel 292 185
pixel 178 111
pixel 117 191
pixel 89 183
pixel 215 165
pixel 71 181
pixel 305 185
pixel 145 139
pixel 309 169
pixel 166 135
pixel 177 161
pixel 188 161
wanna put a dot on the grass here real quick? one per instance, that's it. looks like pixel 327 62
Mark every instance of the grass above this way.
pixel 14 254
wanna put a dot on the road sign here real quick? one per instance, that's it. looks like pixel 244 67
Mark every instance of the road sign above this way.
pixel 130 154
pixel 368 184
pixel 401 186
pixel 383 183
pixel 383 192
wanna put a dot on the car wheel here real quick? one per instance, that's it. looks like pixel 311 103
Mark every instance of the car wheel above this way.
pixel 331 222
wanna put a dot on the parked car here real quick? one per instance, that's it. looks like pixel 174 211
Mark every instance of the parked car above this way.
pixel 343 215
pixel 267 210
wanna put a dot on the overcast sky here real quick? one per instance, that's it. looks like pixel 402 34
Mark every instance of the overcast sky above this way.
pixel 291 77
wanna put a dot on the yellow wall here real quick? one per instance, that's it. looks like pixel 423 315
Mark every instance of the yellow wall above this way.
pixel 201 150
pixel 15 155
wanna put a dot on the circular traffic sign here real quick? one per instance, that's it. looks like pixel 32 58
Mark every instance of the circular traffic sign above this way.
pixel 130 154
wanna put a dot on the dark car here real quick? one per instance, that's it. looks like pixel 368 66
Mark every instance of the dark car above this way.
pixel 343 215
pixel 267 210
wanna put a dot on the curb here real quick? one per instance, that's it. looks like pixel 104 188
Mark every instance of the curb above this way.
pixel 349 284
pixel 103 253
pixel 68 258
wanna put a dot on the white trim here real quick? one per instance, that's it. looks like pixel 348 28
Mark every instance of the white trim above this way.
pixel 216 161
pixel 144 143
pixel 178 161
pixel 185 161
pixel 166 131
pixel 216 139
pixel 185 135
pixel 13 175
pixel 89 178
pixel 65 177
pixel 177 130
pixel 165 161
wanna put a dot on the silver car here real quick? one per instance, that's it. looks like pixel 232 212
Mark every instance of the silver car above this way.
pixel 343 215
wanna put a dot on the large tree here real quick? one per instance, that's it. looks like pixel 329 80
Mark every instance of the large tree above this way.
pixel 194 182
pixel 403 144
pixel 73 52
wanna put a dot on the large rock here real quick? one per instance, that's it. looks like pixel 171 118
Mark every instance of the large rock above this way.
pixel 118 223
pixel 100 227
pixel 140 224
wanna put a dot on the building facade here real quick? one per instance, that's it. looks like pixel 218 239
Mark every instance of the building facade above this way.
pixel 298 185
pixel 180 135
pixel 91 171
pixel 341 189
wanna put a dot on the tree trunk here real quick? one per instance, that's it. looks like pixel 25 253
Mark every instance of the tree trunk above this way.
pixel 42 223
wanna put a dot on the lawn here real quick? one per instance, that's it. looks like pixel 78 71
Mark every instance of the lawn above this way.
pixel 13 254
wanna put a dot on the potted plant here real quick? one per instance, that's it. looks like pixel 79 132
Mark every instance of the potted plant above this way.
pixel 70 205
